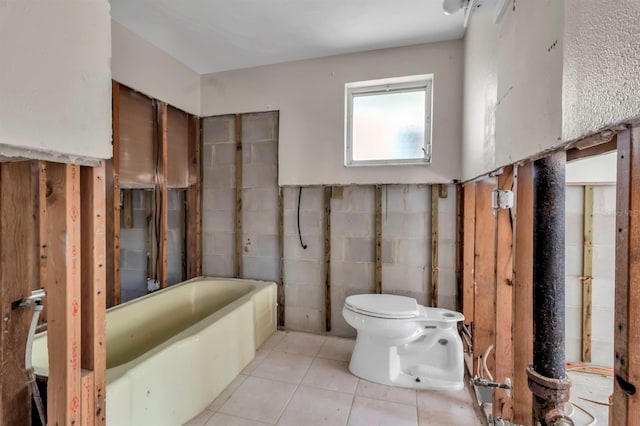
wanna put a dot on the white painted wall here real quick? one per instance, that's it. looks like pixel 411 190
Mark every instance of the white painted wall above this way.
pixel 55 80
pixel 601 78
pixel 310 97
pixel 513 109
pixel 147 69
pixel 600 169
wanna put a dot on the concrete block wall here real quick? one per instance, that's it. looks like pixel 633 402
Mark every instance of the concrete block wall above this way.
pixel 603 284
pixel 133 244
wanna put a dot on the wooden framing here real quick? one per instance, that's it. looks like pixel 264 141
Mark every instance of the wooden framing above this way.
pixel 378 239
pixel 626 399
pixel 484 319
pixel 577 153
pixel 41 173
pixel 238 170
pixel 459 248
pixel 327 257
pixel 93 293
pixel 113 205
pixel 281 297
pixel 443 190
pixel 523 295
pixel 127 208
pixel 502 404
pixel 194 202
pixel 587 273
pixel 163 195
pixel 468 252
pixel 435 196
pixel 63 275
pixel 18 249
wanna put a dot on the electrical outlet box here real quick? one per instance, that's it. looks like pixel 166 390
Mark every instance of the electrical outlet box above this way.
pixel 502 199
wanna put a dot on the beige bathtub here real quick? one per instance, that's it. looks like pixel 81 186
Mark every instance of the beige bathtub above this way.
pixel 171 353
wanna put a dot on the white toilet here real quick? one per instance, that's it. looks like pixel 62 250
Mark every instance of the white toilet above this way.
pixel 402 343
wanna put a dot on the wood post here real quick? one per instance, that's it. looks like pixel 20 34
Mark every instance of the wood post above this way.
pixel 194 202
pixel 468 253
pixel 327 257
pixel 113 204
pixel 163 195
pixel 502 404
pixel 93 257
pixel 281 298
pixel 459 246
pixel 127 208
pixel 63 275
pixel 18 277
pixel 238 170
pixel 587 273
pixel 435 196
pixel 378 238
pixel 523 295
pixel 42 230
pixel 626 399
pixel 484 320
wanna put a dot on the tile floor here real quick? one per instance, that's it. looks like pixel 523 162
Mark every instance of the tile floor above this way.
pixel 302 379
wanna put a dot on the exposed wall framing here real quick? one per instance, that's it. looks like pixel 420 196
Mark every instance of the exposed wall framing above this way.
pixel 162 194
pixel 378 239
pixel 238 181
pixel 587 273
pixel 281 294
pixel 112 178
pixel 468 253
pixel 436 193
pixel 194 202
pixel 327 257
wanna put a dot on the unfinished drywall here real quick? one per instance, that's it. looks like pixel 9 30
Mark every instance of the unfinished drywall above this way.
pixel 601 81
pixel 310 96
pixel 140 65
pixel 603 284
pixel 525 112
pixel 55 80
pixel 597 170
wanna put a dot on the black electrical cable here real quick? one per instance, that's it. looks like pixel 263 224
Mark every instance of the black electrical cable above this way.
pixel 304 246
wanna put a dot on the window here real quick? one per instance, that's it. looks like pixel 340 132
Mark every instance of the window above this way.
pixel 389 121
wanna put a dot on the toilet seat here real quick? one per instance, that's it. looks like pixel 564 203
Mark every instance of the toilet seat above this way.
pixel 387 306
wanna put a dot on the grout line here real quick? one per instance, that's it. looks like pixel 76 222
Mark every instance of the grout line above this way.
pixel 353 401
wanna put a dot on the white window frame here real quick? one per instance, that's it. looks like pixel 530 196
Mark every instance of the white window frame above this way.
pixel 388 85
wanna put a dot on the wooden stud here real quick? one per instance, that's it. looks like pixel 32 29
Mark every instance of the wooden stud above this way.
pixel 194 202
pixel 238 169
pixel 42 231
pixel 502 403
pixel 162 203
pixel 93 257
pixel 484 320
pixel 574 154
pixel 587 273
pixel 443 190
pixel 378 240
pixel 337 192
pixel 592 369
pixel 281 257
pixel 87 414
pixel 626 399
pixel 523 295
pixel 18 277
pixel 327 258
pixel 468 253
pixel 113 204
pixel 459 247
pixel 150 242
pixel 63 275
pixel 434 245
pixel 127 208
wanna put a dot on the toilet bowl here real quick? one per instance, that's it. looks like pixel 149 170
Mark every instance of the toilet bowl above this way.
pixel 402 343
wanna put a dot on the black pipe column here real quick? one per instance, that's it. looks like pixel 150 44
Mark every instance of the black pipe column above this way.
pixel 547 378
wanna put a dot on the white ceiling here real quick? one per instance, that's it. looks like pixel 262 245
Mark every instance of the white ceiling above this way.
pixel 218 35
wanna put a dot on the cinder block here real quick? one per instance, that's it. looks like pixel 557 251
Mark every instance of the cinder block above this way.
pixel 207 242
pixel 259 176
pixel 359 250
pixel 312 198
pixel 215 265
pixel 311 296
pixel 219 199
pixel 601 353
pixel 360 198
pixel 357 276
pixel 446 254
pixel 573 350
pixel 447 226
pixel 223 243
pixel 265 152
pixel 388 251
pixel 218 221
pixel 261 268
pixel 448 205
pixel 405 278
pixel 133 281
pixel 422 298
pixel 339 326
pixel 219 177
pixel 311 223
pixel 174 270
pixel 133 239
pixel 304 319
pixel 207 158
pixel 447 285
pixel 413 252
pixel 447 302
pixel 133 259
pixel 224 154
pixel 350 224
pixel 406 225
pixel 175 241
pixel 259 127
pixel 260 222
pixel 408 199
pixel 174 277
pixel 337 249
pixel 175 219
pixel 300 272
pixel 314 251
pixel 217 129
pixel 259 199
pixel 602 324
pixel 140 219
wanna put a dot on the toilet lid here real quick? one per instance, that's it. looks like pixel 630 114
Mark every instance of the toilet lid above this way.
pixel 383 305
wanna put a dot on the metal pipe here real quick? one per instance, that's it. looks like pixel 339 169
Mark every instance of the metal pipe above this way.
pixel 547 378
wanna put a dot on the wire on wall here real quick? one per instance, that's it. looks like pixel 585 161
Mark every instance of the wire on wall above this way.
pixel 304 246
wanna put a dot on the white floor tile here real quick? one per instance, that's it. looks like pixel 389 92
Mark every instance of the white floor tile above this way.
pixel 300 343
pixel 283 366
pixel 330 375
pixel 337 348
pixel 225 420
pixel 386 393
pixel 260 355
pixel 201 419
pixel 259 399
pixel 315 407
pixel 371 412
pixel 226 394
pixel 273 341
pixel 443 408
